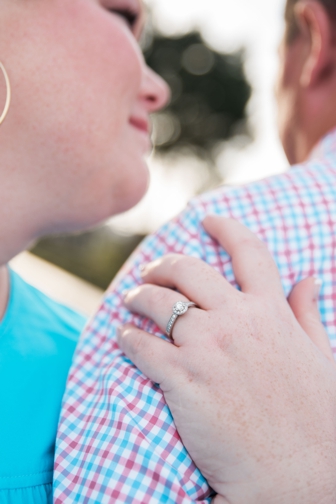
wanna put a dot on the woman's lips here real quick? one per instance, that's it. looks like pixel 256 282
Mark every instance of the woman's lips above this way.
pixel 141 124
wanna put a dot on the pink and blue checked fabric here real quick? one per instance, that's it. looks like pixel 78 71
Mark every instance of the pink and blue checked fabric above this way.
pixel 117 442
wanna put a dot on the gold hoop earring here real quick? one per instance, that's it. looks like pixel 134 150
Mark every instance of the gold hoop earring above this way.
pixel 8 94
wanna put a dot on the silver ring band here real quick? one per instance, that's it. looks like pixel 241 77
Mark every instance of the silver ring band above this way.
pixel 179 308
pixel 8 93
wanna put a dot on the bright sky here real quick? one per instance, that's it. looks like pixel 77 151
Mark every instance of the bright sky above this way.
pixel 226 25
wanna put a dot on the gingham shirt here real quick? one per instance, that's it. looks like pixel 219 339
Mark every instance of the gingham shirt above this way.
pixel 117 442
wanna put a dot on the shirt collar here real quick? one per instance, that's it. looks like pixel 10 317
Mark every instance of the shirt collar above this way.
pixel 325 147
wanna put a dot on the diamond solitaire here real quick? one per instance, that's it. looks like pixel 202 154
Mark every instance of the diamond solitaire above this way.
pixel 179 308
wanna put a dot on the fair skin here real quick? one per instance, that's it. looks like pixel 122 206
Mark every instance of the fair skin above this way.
pixel 262 364
pixel 254 400
pixel 306 85
pixel 73 146
pixel 77 106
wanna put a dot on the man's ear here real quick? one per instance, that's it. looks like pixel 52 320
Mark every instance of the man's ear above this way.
pixel 319 55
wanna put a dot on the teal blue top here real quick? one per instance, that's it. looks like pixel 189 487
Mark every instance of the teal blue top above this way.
pixel 37 340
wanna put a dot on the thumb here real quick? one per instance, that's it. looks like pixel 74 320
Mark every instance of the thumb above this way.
pixel 303 301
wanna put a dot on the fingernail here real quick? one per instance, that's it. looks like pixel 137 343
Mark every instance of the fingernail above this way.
pixel 207 216
pixel 125 294
pixel 317 288
pixel 119 334
pixel 142 269
pixel 120 330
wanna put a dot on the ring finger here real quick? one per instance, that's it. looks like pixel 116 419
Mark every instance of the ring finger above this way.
pixel 157 303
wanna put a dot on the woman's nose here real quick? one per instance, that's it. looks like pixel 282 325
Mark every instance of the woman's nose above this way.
pixel 155 91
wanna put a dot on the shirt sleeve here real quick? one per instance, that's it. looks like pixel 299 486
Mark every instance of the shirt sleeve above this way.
pixel 117 441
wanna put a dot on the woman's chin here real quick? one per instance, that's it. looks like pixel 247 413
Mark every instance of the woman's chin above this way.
pixel 130 191
pixel 103 201
pixel 135 193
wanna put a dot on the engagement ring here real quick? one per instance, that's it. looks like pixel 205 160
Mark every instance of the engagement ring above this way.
pixel 179 308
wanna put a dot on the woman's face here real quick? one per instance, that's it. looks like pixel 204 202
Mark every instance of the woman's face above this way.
pixel 82 95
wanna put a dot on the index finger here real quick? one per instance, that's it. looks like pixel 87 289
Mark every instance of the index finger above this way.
pixel 254 268
pixel 192 277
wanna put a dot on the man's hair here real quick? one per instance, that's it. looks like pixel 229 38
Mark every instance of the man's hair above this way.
pixel 292 29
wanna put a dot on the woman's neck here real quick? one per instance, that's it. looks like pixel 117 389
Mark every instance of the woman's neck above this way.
pixel 4 290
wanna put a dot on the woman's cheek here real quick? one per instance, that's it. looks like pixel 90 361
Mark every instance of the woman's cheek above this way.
pixel 113 48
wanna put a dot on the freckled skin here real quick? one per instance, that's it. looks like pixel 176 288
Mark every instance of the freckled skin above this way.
pixel 70 154
pixel 67 148
pixel 252 396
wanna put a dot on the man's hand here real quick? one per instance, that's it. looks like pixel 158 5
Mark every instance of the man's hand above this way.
pixel 250 379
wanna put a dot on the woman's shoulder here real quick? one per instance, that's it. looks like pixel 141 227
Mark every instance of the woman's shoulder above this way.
pixel 37 340
pixel 36 310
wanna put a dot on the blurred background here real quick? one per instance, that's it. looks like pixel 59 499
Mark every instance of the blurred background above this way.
pixel 220 60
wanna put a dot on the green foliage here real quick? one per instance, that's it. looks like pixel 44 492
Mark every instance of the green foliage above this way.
pixel 209 94
pixel 95 256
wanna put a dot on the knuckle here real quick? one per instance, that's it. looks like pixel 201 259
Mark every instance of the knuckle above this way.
pixel 195 365
pixel 136 293
pixel 181 263
pixel 137 345
pixel 155 296
pixel 172 259
pixel 178 266
pixel 147 292
pixel 172 264
pixel 177 362
pixel 161 297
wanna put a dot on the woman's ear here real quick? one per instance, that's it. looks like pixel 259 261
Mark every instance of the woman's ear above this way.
pixel 319 53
